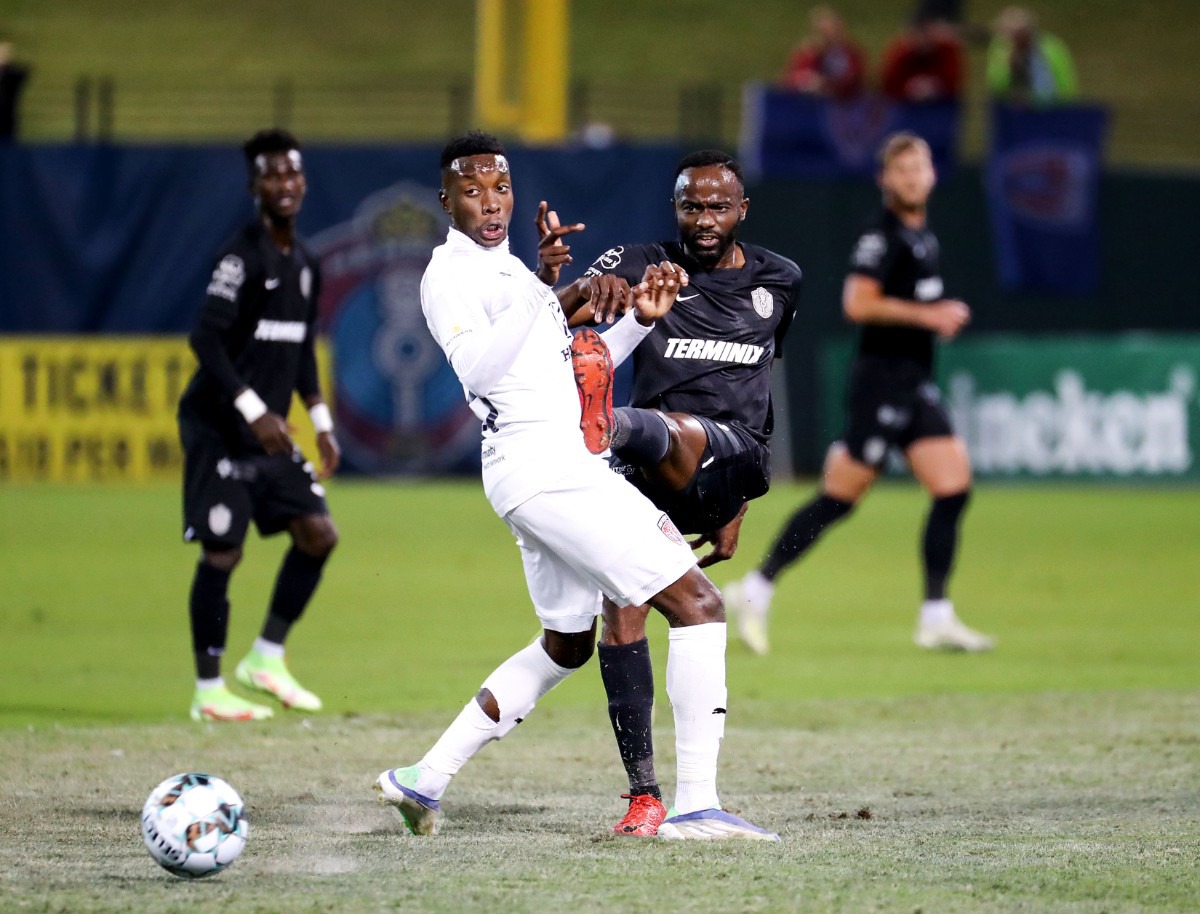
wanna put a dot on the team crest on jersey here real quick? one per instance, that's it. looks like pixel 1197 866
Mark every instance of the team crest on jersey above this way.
pixel 763 301
pixel 306 282
pixel 670 531
pixel 929 289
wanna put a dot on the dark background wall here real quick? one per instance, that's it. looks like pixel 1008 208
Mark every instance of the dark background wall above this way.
pixel 1149 246
pixel 120 239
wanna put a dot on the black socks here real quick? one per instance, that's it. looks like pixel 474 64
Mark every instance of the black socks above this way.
pixel 805 526
pixel 297 580
pixel 629 681
pixel 941 541
pixel 208 608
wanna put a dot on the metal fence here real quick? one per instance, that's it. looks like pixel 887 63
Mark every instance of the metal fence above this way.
pixel 100 108
pixel 341 108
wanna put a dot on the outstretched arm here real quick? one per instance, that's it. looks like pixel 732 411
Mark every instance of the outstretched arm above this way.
pixel 863 302
pixel 595 298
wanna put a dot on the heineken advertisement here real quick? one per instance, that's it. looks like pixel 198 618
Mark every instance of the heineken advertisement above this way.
pixel 1062 406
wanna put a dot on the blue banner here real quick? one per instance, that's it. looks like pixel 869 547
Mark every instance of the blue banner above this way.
pixel 1043 182
pixel 789 134
pixel 115 239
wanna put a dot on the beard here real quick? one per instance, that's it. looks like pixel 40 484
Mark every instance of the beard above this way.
pixel 709 256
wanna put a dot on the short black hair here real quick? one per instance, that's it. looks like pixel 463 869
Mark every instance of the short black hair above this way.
pixel 265 142
pixel 471 144
pixel 705 157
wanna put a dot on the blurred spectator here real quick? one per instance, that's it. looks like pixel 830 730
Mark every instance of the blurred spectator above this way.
pixel 923 64
pixel 1028 66
pixel 828 62
pixel 12 80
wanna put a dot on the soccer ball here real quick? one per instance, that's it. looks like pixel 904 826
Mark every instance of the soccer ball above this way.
pixel 194 825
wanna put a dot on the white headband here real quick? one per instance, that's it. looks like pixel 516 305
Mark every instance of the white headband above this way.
pixel 468 166
pixel 293 156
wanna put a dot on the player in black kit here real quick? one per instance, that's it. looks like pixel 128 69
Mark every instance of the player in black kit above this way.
pixel 695 438
pixel 894 291
pixel 255 344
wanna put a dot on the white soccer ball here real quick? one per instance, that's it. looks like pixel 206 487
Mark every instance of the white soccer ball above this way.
pixel 194 825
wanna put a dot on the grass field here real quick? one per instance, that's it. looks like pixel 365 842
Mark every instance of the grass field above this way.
pixel 1058 774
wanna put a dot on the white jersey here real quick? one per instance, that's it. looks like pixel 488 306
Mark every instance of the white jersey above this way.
pixel 530 407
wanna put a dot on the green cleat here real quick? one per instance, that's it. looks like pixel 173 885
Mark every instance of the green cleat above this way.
pixel 397 787
pixel 270 675
pixel 218 703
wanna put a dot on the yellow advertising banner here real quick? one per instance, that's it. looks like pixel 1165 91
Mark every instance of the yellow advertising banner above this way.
pixel 100 409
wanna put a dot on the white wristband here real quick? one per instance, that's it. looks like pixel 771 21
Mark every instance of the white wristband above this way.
pixel 250 405
pixel 322 419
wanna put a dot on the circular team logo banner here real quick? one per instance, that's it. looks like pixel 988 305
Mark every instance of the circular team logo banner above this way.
pixel 400 408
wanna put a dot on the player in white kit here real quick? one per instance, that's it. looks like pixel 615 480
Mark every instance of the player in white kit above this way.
pixel 583 532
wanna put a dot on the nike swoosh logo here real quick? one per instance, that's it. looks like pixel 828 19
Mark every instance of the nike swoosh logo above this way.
pixel 272 284
pixel 686 297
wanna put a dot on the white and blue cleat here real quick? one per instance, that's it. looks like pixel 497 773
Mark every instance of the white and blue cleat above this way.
pixel 711 825
pixel 421 814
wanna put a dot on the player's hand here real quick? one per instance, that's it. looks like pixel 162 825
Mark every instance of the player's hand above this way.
pixel 655 294
pixel 330 452
pixel 552 253
pixel 608 296
pixel 724 541
pixel 947 317
pixel 273 433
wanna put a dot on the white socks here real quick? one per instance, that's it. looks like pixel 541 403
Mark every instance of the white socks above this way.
pixel 516 684
pixel 696 687
pixel 758 591
pixel 936 612
pixel 268 648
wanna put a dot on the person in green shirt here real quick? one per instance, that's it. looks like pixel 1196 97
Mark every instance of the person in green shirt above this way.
pixel 1026 65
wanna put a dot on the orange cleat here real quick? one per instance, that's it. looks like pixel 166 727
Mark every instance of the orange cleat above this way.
pixel 643 818
pixel 593 367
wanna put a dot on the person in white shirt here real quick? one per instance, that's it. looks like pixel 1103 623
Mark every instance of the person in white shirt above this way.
pixel 583 532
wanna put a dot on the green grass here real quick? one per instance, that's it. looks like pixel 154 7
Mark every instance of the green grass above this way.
pixel 1056 774
pixel 199 69
pixel 1085 588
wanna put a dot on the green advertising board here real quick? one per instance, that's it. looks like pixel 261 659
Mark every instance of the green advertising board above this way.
pixel 1119 407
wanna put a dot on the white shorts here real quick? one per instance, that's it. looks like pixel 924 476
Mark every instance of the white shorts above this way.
pixel 594 534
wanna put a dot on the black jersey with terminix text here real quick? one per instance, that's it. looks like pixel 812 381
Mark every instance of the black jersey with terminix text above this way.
pixel 906 264
pixel 256 329
pixel 711 354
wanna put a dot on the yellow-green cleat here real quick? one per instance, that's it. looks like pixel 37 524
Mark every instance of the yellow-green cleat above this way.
pixel 218 703
pixel 398 787
pixel 270 675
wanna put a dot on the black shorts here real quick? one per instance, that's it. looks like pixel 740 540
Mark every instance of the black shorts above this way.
pixel 735 468
pixel 890 406
pixel 222 493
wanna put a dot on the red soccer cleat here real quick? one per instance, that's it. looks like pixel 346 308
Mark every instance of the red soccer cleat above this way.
pixel 593 367
pixel 643 818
